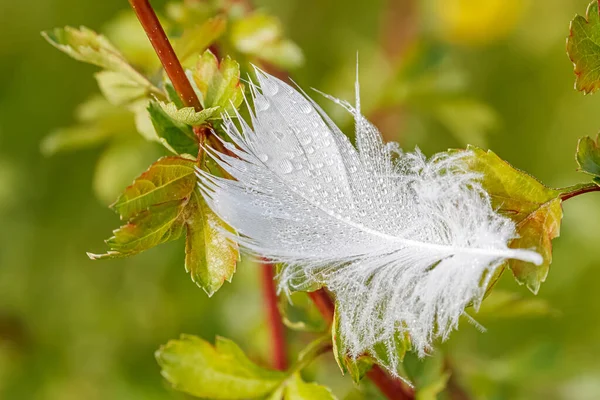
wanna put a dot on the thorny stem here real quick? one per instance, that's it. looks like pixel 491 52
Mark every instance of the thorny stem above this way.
pixel 278 351
pixel 165 52
pixel 155 32
pixel 576 190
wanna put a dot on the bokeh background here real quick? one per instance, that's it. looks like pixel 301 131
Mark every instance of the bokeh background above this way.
pixel 434 73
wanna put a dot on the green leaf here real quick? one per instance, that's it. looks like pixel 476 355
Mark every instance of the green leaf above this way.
pixel 85 45
pixel 588 155
pixel 159 205
pixel 210 257
pixel 195 40
pixel 168 179
pixel 218 83
pixel 261 35
pixel 358 367
pixel 535 209
pixel 188 115
pixel 300 313
pixel 583 47
pixel 195 367
pixel 297 389
pixel 158 224
pixel 174 135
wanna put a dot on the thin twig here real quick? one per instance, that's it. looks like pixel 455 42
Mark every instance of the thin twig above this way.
pixel 276 328
pixel 592 187
pixel 165 52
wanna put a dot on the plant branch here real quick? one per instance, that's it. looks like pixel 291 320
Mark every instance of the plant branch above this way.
pixel 393 389
pixel 276 328
pixel 165 52
pixel 576 190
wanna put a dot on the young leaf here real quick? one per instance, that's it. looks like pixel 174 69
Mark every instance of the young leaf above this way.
pixel 175 136
pixel 588 156
pixel 194 366
pixel 210 257
pixel 297 389
pixel 535 208
pixel 168 179
pixel 187 115
pixel 583 47
pixel 159 205
pixel 261 35
pixel 85 45
pixel 218 83
pixel 158 224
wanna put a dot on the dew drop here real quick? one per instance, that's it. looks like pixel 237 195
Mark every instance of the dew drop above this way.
pixel 285 166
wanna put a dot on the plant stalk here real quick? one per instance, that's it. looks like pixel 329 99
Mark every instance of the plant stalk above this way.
pixel 155 32
pixel 276 327
pixel 576 190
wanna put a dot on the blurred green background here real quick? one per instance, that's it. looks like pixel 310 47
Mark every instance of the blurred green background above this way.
pixel 436 74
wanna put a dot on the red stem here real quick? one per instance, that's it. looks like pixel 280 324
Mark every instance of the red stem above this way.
pixel 323 303
pixel 392 388
pixel 276 328
pixel 585 189
pixel 165 52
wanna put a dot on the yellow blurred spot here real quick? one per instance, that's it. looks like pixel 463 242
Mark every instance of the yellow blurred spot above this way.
pixel 476 22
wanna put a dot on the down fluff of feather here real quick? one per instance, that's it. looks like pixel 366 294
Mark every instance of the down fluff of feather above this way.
pixel 405 243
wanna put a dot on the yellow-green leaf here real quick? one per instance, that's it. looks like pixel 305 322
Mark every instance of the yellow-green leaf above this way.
pixel 218 83
pixel 168 179
pixel 188 115
pixel 583 47
pixel 536 232
pixel 158 224
pixel 210 258
pixel 535 209
pixel 194 366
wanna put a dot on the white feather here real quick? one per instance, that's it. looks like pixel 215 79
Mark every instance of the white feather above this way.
pixel 404 243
